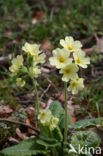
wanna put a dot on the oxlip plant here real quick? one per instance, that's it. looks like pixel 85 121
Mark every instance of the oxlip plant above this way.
pixel 68 60
pixel 30 66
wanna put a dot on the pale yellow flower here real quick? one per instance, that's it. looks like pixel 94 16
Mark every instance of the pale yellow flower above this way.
pixel 39 59
pixel 13 69
pixel 60 58
pixel 70 44
pixel 35 71
pixel 32 49
pixel 81 59
pixel 76 85
pixel 69 72
pixel 53 123
pixel 20 82
pixel 16 64
pixel 45 116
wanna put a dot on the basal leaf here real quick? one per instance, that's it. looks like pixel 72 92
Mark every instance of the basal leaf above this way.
pixel 87 123
pixel 56 109
pixel 24 148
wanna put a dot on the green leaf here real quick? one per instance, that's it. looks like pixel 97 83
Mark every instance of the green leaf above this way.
pixel 62 121
pixel 24 148
pixel 57 134
pixel 48 144
pixel 56 109
pixel 85 138
pixel 44 131
pixel 51 140
pixel 87 123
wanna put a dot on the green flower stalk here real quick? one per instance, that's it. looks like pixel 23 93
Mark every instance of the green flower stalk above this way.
pixel 66 115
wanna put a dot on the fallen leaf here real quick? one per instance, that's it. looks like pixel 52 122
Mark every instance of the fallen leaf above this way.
pixel 46 45
pixel 73 119
pixel 88 51
pixel 27 121
pixel 71 107
pixel 99 43
pixel 8 33
pixel 19 134
pixel 5 111
pixel 13 140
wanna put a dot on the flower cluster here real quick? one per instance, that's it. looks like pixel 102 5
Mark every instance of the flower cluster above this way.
pixel 34 59
pixel 47 119
pixel 68 59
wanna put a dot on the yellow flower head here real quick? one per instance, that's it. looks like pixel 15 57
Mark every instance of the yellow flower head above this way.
pixel 70 44
pixel 80 59
pixel 76 85
pixel 60 58
pixel 32 49
pixel 35 71
pixel 45 116
pixel 16 64
pixel 53 123
pixel 20 82
pixel 69 72
pixel 39 59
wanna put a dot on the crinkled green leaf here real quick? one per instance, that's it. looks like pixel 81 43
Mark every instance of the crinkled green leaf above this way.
pixel 47 144
pixel 62 121
pixel 87 123
pixel 85 138
pixel 56 109
pixel 57 134
pixel 24 148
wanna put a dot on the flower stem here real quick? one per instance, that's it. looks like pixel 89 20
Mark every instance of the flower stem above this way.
pixel 36 93
pixel 66 116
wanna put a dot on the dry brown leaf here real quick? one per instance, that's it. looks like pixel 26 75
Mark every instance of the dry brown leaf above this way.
pixel 19 134
pixel 61 98
pixel 71 108
pixel 13 140
pixel 5 111
pixel 46 45
pixel 99 43
pixel 8 33
pixel 73 119
pixel 88 51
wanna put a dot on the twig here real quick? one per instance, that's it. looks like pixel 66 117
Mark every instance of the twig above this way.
pixel 45 91
pixel 52 84
pixel 20 123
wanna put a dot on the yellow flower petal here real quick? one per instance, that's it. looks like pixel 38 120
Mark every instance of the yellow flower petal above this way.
pixel 69 72
pixel 20 82
pixel 53 123
pixel 76 85
pixel 80 59
pixel 32 49
pixel 39 59
pixel 45 116
pixel 69 44
pixel 16 64
pixel 35 71
pixel 60 58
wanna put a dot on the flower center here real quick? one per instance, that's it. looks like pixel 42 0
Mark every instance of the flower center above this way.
pixel 78 60
pixel 43 115
pixel 74 84
pixel 67 71
pixel 61 59
pixel 70 47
